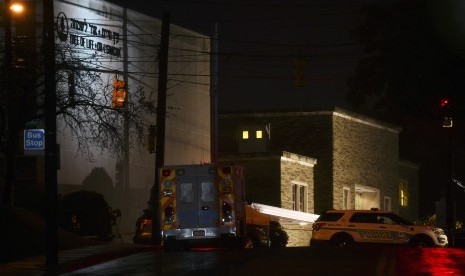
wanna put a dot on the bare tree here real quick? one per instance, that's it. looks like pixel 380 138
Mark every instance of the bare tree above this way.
pixel 84 106
pixel 84 100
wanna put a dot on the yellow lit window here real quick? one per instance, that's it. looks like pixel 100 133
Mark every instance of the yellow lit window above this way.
pixel 259 134
pixel 245 134
pixel 403 194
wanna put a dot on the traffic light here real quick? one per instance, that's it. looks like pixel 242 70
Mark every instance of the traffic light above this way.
pixel 119 93
pixel 444 105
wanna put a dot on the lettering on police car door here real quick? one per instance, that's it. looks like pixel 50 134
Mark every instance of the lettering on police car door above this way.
pixel 382 235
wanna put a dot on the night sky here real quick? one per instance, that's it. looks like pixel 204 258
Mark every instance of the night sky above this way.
pixel 260 41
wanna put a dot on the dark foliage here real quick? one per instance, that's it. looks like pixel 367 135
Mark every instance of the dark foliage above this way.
pixel 409 64
pixel 278 237
pixel 414 56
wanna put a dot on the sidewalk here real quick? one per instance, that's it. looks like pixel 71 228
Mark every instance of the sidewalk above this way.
pixel 74 259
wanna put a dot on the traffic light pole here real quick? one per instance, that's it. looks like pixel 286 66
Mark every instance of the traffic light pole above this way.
pixel 447 125
pixel 450 206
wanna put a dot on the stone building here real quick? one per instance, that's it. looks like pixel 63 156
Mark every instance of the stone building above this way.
pixel 355 159
pixel 287 183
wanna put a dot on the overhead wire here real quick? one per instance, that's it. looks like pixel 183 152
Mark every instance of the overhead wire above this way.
pixel 196 55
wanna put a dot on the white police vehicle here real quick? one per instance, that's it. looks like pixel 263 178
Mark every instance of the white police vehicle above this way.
pixel 342 228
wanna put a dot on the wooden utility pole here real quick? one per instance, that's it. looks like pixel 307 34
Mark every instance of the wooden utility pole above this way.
pixel 161 117
pixel 214 97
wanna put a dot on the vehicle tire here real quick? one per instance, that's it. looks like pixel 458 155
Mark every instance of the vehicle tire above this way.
pixel 341 240
pixel 421 241
pixel 172 245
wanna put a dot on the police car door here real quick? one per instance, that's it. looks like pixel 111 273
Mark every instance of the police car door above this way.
pixel 367 229
pixel 399 229
pixel 197 204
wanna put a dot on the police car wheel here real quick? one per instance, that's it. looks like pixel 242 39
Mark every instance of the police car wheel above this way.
pixel 341 240
pixel 248 244
pixel 421 241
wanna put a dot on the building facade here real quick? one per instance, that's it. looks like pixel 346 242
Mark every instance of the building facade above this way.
pixel 119 45
pixel 356 166
pixel 284 180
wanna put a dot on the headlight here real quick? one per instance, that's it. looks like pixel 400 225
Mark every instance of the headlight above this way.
pixel 438 231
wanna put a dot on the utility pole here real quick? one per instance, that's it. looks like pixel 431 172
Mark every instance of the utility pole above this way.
pixel 447 124
pixel 7 196
pixel 161 118
pixel 126 114
pixel 214 97
pixel 51 216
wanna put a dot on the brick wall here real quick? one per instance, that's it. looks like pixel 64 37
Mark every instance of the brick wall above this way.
pixel 297 169
pixel 299 235
pixel 365 153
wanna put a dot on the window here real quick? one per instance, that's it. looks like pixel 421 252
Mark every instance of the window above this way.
pixel 259 134
pixel 364 218
pixel 245 134
pixel 208 192
pixel 299 197
pixel 403 192
pixel 330 216
pixel 387 203
pixel 346 198
pixel 294 197
pixel 302 190
pixel 186 192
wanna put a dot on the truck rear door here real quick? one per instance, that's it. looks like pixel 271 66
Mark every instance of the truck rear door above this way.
pixel 197 202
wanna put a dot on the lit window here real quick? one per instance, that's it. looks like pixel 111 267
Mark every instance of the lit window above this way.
pixel 245 134
pixel 294 197
pixel 259 134
pixel 403 192
pixel 302 190
pixel 299 197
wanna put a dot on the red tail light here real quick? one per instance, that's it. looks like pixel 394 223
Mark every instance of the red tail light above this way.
pixel 227 212
pixel 317 225
pixel 145 222
pixel 169 214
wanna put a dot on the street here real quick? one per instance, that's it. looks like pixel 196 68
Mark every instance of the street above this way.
pixel 372 260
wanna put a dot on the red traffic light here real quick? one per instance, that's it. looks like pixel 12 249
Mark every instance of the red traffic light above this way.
pixel 444 103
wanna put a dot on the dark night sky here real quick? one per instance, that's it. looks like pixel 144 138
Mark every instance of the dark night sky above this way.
pixel 259 42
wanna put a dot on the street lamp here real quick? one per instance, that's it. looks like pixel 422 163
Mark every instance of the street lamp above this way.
pixel 16 7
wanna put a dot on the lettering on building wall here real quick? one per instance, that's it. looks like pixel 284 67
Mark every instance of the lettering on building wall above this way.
pixel 80 33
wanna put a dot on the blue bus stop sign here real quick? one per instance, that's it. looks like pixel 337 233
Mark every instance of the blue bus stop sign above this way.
pixel 34 139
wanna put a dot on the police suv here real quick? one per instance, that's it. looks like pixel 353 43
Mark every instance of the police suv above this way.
pixel 342 228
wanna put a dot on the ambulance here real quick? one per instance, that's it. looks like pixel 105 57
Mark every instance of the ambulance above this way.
pixel 204 205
